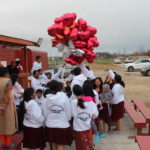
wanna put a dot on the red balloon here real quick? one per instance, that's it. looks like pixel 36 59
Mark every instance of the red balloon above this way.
pixel 80 44
pixel 84 35
pixel 69 19
pixel 82 24
pixel 74 34
pixel 58 20
pixel 59 28
pixel 92 30
pixel 51 31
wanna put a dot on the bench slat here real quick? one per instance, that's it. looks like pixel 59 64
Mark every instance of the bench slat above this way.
pixel 143 109
pixel 139 121
pixel 143 142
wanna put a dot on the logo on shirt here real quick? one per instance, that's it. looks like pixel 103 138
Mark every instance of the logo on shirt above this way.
pixel 83 116
pixel 27 116
pixel 57 109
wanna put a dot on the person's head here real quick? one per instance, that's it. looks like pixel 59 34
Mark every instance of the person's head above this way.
pixel 61 86
pixel 13 64
pixel 36 74
pixel 72 72
pixel 118 79
pixel 77 90
pixel 68 83
pixel 98 83
pixel 46 92
pixel 39 93
pixel 28 94
pixel 54 86
pixel 77 71
pixel 88 89
pixel 14 78
pixel 40 71
pixel 4 72
pixel 38 59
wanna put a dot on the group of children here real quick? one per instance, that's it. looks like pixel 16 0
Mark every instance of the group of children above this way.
pixel 81 107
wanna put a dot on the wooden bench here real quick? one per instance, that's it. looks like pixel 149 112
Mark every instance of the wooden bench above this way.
pixel 138 105
pixel 139 121
pixel 143 142
pixel 17 140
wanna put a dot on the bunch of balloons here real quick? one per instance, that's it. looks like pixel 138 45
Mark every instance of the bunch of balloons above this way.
pixel 75 39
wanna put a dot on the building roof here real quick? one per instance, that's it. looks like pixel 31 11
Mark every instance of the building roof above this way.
pixel 12 41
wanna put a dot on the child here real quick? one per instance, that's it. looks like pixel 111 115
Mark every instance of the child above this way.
pixel 82 112
pixel 43 78
pixel 106 97
pixel 40 99
pixel 91 95
pixel 68 89
pixel 33 121
pixel 117 100
pixel 57 112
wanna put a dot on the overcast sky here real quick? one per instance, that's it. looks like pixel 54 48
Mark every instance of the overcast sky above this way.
pixel 123 25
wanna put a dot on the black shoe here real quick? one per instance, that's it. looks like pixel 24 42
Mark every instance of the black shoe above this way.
pixel 8 147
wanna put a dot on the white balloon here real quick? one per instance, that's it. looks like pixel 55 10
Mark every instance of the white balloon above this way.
pixel 71 44
pixel 66 51
pixel 60 47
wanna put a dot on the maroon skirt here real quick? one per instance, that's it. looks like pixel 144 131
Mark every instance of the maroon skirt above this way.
pixel 105 113
pixel 83 140
pixel 61 136
pixel 34 138
pixel 117 111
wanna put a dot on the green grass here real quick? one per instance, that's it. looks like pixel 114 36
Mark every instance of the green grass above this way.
pixel 103 62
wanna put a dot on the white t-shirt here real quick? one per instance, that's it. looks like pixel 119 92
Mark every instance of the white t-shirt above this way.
pixel 43 79
pixel 36 66
pixel 82 117
pixel 33 117
pixel 40 102
pixel 79 80
pixel 118 94
pixel 57 110
pixel 36 84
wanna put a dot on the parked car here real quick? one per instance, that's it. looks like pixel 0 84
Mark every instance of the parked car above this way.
pixel 137 65
pixel 128 60
pixel 146 71
pixel 117 61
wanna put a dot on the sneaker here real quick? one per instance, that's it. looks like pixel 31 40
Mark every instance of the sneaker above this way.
pixel 103 135
pixel 96 140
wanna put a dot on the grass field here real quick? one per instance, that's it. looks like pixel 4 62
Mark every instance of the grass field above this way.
pixel 103 62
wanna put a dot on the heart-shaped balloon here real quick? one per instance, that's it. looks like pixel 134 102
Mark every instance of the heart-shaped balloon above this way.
pixel 84 35
pixel 92 30
pixel 82 24
pixel 74 34
pixel 80 44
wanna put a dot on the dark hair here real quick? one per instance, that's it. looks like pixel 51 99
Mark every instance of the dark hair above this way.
pixel 61 86
pixel 101 85
pixel 77 71
pixel 118 79
pixel 27 96
pixel 14 78
pixel 35 71
pixel 87 67
pixel 88 89
pixel 3 71
pixel 38 57
pixel 46 92
pixel 77 90
pixel 39 91
pixel 54 86
pixel 39 70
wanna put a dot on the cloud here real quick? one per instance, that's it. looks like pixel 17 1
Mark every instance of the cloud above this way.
pixel 120 23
